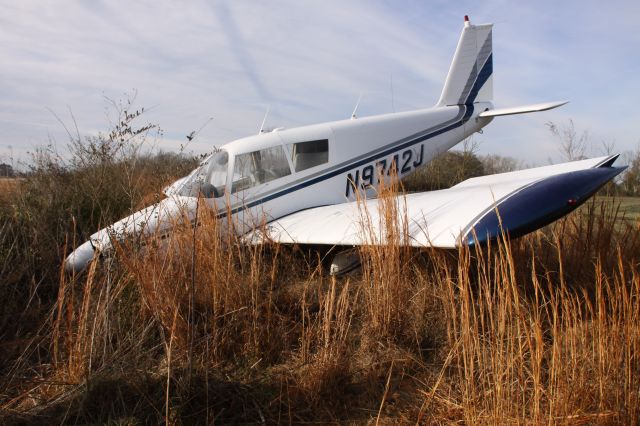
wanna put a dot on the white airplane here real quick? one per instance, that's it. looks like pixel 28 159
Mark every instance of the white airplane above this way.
pixel 304 181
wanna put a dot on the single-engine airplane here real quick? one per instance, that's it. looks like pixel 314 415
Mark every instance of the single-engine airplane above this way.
pixel 305 181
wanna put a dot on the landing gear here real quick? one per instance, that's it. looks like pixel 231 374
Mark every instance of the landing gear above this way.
pixel 345 261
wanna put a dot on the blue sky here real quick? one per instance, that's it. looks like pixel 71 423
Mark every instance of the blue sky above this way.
pixel 309 61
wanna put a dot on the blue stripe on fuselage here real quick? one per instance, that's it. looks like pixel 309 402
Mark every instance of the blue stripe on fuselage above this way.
pixel 467 114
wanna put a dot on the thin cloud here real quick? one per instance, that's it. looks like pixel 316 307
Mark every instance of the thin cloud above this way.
pixel 237 45
pixel 309 61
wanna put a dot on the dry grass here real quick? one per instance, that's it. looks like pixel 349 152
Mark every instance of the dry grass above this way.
pixel 8 188
pixel 200 328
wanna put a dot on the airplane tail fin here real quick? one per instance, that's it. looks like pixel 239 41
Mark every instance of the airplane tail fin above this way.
pixel 470 76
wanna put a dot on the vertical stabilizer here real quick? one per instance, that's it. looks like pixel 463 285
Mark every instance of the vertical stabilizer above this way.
pixel 470 76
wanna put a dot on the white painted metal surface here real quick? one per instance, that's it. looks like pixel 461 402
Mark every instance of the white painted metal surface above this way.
pixel 471 60
pixel 522 109
pixel 432 219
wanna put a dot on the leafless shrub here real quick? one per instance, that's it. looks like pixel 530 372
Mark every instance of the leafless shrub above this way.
pixel 573 145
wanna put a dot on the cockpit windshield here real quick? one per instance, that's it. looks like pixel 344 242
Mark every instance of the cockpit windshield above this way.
pixel 209 179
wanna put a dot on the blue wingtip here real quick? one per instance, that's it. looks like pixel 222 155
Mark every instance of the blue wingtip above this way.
pixel 540 204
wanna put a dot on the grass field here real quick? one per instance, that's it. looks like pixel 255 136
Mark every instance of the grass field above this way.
pixel 629 206
pixel 8 187
pixel 199 328
pixel 203 329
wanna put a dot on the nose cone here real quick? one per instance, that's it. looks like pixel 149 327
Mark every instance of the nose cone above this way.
pixel 80 258
pixel 159 218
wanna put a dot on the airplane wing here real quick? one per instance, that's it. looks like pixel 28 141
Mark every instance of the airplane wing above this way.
pixel 475 210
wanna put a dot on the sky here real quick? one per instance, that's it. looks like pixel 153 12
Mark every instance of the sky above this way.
pixel 215 67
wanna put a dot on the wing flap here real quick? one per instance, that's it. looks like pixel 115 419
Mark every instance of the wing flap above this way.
pixel 474 210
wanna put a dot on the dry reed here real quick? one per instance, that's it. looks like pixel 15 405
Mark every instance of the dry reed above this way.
pixel 200 327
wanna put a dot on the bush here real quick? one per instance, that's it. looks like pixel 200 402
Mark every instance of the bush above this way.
pixel 60 202
pixel 443 172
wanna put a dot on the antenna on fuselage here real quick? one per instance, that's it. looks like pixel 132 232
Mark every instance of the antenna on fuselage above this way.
pixel 191 136
pixel 353 114
pixel 264 120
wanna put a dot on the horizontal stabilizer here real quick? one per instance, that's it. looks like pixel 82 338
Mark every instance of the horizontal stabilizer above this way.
pixel 476 210
pixel 522 109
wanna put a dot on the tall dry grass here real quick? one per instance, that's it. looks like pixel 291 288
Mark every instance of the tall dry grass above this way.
pixel 200 327
pixel 538 351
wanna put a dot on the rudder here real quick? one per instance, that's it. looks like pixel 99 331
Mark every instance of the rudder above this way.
pixel 470 77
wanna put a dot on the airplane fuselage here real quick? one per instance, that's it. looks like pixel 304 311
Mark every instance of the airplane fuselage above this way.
pixel 271 175
pixel 360 152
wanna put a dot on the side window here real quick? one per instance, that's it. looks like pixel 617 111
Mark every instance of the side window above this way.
pixel 258 167
pixel 305 155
